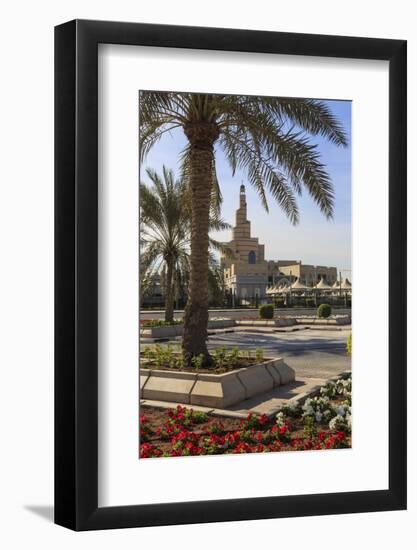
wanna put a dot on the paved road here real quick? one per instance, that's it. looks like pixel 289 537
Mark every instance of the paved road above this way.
pixel 239 313
pixel 312 353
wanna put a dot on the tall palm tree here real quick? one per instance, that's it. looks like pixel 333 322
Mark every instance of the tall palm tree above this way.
pixel 267 137
pixel 165 233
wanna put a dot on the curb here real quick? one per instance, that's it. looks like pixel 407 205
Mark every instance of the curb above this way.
pixel 208 410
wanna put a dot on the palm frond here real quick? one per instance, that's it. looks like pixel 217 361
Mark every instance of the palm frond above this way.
pixel 311 115
pixel 265 136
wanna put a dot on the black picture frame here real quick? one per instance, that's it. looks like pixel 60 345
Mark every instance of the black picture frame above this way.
pixel 76 272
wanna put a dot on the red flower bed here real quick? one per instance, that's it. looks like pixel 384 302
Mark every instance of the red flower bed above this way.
pixel 185 432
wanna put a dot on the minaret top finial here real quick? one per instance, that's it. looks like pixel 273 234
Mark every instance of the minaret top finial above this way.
pixel 242 189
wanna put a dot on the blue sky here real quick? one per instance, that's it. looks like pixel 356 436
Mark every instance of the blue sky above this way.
pixel 314 240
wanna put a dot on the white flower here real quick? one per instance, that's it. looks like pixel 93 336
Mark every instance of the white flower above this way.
pixel 319 416
pixel 280 418
pixel 349 421
pixel 337 423
pixel 340 410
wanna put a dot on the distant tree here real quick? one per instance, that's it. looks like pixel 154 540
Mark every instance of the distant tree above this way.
pixel 165 234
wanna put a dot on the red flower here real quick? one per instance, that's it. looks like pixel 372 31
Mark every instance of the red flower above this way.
pixel 263 420
pixel 297 444
pixel 148 451
pixel 242 448
pixel 232 438
pixel 308 444
pixel 214 427
pixel 275 446
pixel 330 442
pixel 259 436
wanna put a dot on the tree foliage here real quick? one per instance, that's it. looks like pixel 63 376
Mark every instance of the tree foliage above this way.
pixel 267 137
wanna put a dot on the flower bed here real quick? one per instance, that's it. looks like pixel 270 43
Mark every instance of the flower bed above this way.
pixel 158 357
pixel 322 422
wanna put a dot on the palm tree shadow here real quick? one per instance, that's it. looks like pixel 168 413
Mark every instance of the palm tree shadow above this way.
pixel 45 512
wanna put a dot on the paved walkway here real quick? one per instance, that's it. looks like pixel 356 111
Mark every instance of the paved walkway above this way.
pixel 315 354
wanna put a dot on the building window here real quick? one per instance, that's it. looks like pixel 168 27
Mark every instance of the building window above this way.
pixel 252 257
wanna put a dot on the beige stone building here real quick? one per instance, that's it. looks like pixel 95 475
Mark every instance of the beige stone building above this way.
pixel 292 270
pixel 246 272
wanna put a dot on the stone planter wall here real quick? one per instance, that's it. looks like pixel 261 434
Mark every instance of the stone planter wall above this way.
pixel 176 330
pixel 214 390
pixel 285 322
pixel 341 320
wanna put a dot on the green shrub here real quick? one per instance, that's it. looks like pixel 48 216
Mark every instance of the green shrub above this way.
pixel 324 311
pixel 233 357
pixel 310 429
pixel 349 345
pixel 266 311
pixel 220 359
pixel 197 361
pixel 259 355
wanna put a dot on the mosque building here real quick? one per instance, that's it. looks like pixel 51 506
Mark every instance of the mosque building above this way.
pixel 247 274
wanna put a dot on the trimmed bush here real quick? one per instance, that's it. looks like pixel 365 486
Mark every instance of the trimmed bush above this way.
pixel 324 311
pixel 266 311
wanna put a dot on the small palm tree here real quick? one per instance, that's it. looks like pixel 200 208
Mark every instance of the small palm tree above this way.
pixel 267 137
pixel 165 226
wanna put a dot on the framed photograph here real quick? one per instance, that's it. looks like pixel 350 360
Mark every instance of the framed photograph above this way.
pixel 230 254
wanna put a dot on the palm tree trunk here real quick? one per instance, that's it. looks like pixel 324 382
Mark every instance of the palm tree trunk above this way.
pixel 169 293
pixel 196 310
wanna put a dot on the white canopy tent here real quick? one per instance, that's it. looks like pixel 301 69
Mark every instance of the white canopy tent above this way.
pixel 346 285
pixel 322 286
pixel 295 287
